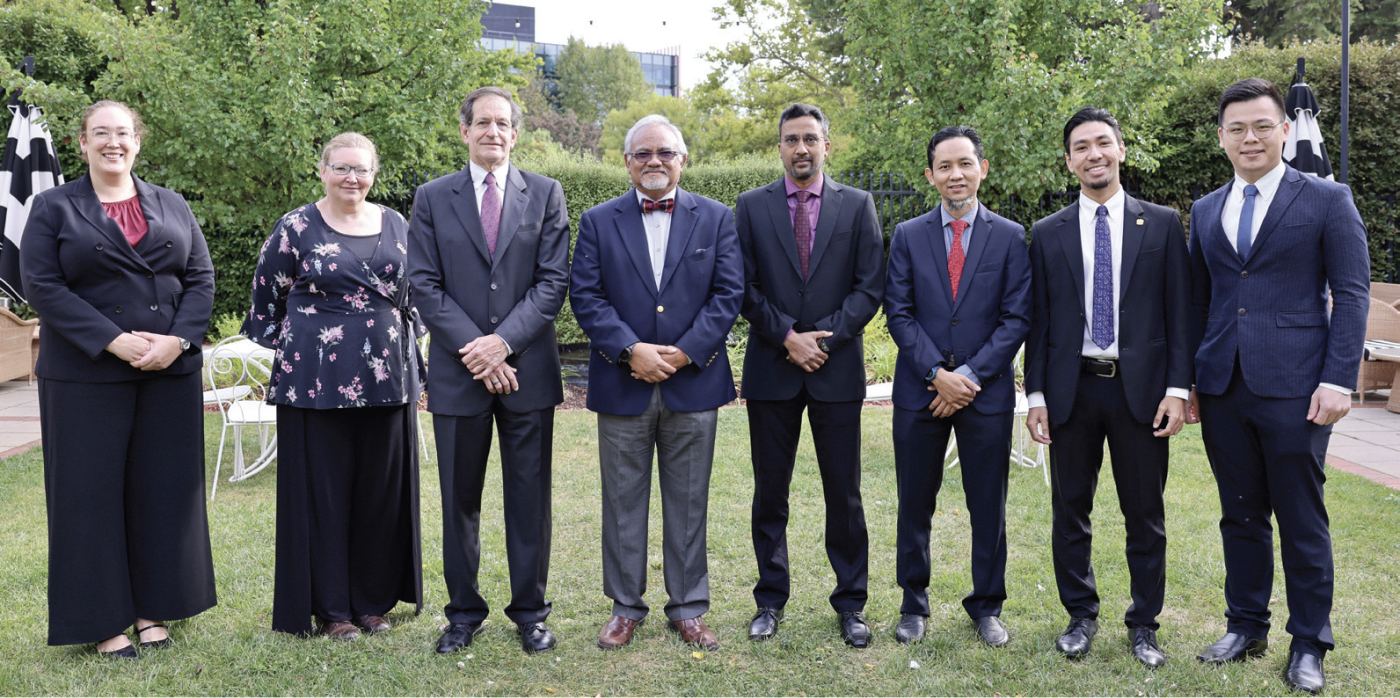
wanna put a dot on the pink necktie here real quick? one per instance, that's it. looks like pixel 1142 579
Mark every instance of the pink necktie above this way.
pixel 491 214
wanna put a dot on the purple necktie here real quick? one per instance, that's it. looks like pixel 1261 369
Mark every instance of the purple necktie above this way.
pixel 1102 329
pixel 802 226
pixel 491 214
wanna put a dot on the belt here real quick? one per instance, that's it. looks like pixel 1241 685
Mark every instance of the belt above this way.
pixel 1104 368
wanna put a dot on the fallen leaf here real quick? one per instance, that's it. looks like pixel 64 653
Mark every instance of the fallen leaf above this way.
pixel 471 656
pixel 869 666
pixel 698 655
pixel 913 664
pixel 461 665
pixel 547 688
pixel 198 671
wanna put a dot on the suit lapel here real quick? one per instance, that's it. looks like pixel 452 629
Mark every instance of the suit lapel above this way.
pixel 1288 189
pixel 1211 230
pixel 683 219
pixel 1068 233
pixel 940 252
pixel 782 223
pixel 85 200
pixel 975 247
pixel 513 206
pixel 464 203
pixel 627 216
pixel 831 198
pixel 1134 230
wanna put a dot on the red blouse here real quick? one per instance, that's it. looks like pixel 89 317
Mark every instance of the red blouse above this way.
pixel 129 218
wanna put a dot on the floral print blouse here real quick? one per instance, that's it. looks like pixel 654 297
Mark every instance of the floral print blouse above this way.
pixel 342 327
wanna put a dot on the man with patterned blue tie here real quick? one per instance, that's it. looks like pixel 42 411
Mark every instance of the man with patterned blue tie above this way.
pixel 1108 357
pixel 1274 371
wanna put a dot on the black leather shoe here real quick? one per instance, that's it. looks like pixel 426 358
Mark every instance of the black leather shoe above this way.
pixel 1145 647
pixel 992 632
pixel 128 652
pixel 535 637
pixel 765 623
pixel 1078 637
pixel 153 644
pixel 911 628
pixel 1304 673
pixel 854 630
pixel 1233 648
pixel 457 636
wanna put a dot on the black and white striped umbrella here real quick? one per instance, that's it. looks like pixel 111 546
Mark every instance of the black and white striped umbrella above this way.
pixel 1304 150
pixel 30 165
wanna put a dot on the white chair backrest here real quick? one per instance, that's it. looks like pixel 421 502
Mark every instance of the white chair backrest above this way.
pixel 238 361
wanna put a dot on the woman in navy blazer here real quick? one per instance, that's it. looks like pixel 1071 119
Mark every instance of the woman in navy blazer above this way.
pixel 120 276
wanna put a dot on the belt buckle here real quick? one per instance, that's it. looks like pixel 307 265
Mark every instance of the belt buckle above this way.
pixel 1112 368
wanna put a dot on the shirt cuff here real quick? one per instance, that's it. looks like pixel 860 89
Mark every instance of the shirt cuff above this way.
pixel 1035 400
pixel 509 351
pixel 1182 393
pixel 1338 388
pixel 963 370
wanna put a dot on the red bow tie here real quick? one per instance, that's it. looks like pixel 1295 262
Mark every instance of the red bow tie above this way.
pixel 666 205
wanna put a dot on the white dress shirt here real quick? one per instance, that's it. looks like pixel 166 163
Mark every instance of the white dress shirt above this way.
pixel 1230 219
pixel 658 225
pixel 1088 219
pixel 479 184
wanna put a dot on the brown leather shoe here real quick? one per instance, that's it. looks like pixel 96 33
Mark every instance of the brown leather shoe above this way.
pixel 694 632
pixel 617 632
pixel 372 624
pixel 340 630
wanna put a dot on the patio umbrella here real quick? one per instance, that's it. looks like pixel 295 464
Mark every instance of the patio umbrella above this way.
pixel 1304 150
pixel 29 166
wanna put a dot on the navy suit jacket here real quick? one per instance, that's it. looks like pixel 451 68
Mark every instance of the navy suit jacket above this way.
pixel 616 302
pixel 1154 291
pixel 90 285
pixel 463 294
pixel 983 328
pixel 1270 308
pixel 842 291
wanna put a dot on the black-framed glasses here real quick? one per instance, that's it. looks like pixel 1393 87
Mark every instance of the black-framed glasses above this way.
pixel 810 140
pixel 1262 130
pixel 662 155
pixel 343 170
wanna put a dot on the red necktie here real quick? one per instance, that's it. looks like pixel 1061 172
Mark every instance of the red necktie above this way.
pixel 667 205
pixel 802 226
pixel 491 214
pixel 956 257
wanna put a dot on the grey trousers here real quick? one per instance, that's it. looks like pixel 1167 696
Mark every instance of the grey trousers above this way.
pixel 684 444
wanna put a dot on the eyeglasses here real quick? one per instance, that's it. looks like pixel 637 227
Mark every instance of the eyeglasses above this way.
pixel 1262 130
pixel 103 135
pixel 662 155
pixel 342 170
pixel 810 140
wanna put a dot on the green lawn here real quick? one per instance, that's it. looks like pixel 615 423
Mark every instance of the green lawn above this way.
pixel 230 650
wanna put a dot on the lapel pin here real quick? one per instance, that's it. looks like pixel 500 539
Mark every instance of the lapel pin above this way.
pixel 1141 222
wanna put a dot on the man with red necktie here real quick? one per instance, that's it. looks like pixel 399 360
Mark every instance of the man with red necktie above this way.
pixel 957 301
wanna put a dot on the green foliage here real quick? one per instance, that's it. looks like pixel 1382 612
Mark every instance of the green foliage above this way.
pixel 880 350
pixel 1190 156
pixel 594 80
pixel 563 126
pixel 1278 22
pixel 1014 70
pixel 713 128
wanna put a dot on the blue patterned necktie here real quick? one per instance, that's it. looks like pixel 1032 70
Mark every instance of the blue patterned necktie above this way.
pixel 1242 237
pixel 1102 330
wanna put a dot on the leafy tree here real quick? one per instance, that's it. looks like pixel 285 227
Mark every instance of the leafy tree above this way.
pixel 714 131
pixel 1015 70
pixel 594 80
pixel 1275 22
pixel 563 126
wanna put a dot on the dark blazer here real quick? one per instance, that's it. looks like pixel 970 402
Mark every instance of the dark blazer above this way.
pixel 983 328
pixel 89 285
pixel 1154 341
pixel 1270 308
pixel 462 294
pixel 845 282
pixel 616 302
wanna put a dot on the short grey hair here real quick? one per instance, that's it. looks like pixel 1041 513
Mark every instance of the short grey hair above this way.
pixel 653 120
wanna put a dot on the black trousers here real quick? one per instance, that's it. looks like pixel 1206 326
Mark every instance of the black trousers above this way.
pixel 984 454
pixel 774 429
pixel 124 484
pixel 347 534
pixel 1139 462
pixel 527 444
pixel 1268 460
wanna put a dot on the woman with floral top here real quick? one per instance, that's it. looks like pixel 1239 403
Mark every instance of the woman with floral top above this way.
pixel 331 297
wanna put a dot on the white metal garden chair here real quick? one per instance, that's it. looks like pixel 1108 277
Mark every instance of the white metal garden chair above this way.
pixel 1020 436
pixel 237 371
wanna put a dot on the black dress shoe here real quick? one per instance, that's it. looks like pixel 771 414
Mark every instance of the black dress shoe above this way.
pixel 457 636
pixel 992 632
pixel 153 644
pixel 1078 637
pixel 535 637
pixel 854 630
pixel 1145 647
pixel 911 628
pixel 1304 673
pixel 128 652
pixel 765 623
pixel 1233 647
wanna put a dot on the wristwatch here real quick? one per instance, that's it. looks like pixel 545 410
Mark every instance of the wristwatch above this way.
pixel 184 344
pixel 625 356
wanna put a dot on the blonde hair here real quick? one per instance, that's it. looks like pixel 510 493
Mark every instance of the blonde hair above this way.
pixel 137 125
pixel 349 139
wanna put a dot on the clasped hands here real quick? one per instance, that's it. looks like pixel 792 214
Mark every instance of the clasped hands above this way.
pixel 954 391
pixel 804 351
pixel 654 363
pixel 147 351
pixel 485 357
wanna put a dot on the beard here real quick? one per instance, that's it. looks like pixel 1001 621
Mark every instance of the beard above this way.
pixel 960 204
pixel 1102 184
pixel 811 172
pixel 655 180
